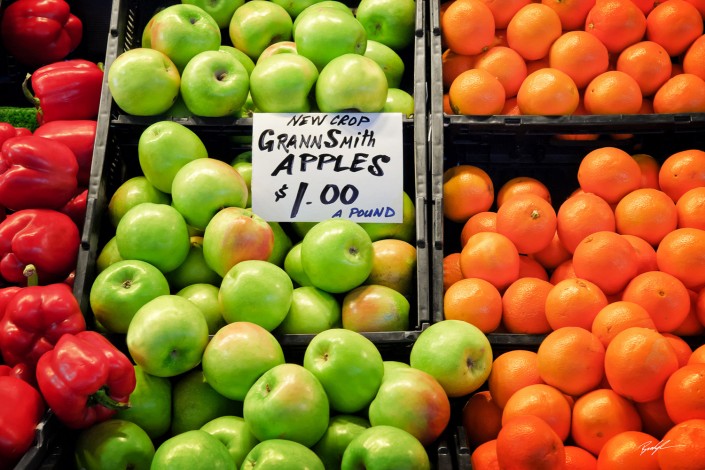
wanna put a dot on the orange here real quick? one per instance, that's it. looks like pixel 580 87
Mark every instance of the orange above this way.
pixel 481 222
pixel 654 418
pixel 638 361
pixel 563 271
pixel 484 456
pixel 645 253
pixel 528 442
pixel 699 308
pixel 684 393
pixel 504 10
pixel 609 172
pixel 579 54
pixel 577 458
pixel 467 190
pixel 675 25
pixel 649 170
pixel 572 360
pixel 606 259
pixel 529 267
pixel 522 185
pixel 490 256
pixel 694 58
pixel 454 64
pixel 581 215
pixel 574 302
pixel 698 355
pixel 534 65
pixel 481 418
pixel 691 208
pixel 548 91
pixel 648 63
pixel 532 30
pixel 662 295
pixel 682 254
pixel 543 401
pixel 691 326
pixel 571 12
pixel 523 306
pixel 626 450
pixel 613 92
pixel 555 253
pixel 506 64
pixel 511 371
pixel 528 220
pixel 682 93
pixel 467 27
pixel 475 301
pixel 700 5
pixel 687 451
pixel 617 23
pixel 681 172
pixel 618 316
pixel 446 104
pixel 646 213
pixel 511 108
pixel 681 347
pixel 476 91
pixel 451 270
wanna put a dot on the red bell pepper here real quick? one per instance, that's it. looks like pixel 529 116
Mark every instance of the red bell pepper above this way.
pixel 21 410
pixel 85 379
pixel 45 238
pixel 79 136
pixel 39 32
pixel 36 172
pixel 66 90
pixel 76 208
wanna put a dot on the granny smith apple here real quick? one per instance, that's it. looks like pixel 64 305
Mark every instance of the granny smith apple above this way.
pixel 195 449
pixel 155 233
pixel 281 454
pixel 281 47
pixel 233 235
pixel 301 228
pixel 390 365
pixel 342 429
pixel 387 58
pixel 257 24
pixel 108 255
pixel 391 22
pixel 282 244
pixel 295 7
pixel 327 34
pixel 394 265
pixel 287 402
pixel 163 148
pixel 375 308
pixel 312 311
pixel 385 448
pixel 294 268
pixel 237 355
pixel 203 187
pixel 243 58
pixel 456 353
pixel 314 8
pixel 348 365
pixel 351 82
pixel 114 443
pixel 167 336
pixel 194 269
pixel 205 297
pixel 399 101
pixel 282 83
pixel 233 432
pixel 220 10
pixel 245 170
pixel 135 190
pixel 406 230
pixel 150 404
pixel 336 255
pixel 256 291
pixel 178 110
pixel 214 84
pixel 181 31
pixel 123 288
pixel 143 82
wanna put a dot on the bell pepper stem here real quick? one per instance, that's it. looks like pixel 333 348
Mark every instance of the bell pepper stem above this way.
pixel 102 398
pixel 30 272
pixel 27 93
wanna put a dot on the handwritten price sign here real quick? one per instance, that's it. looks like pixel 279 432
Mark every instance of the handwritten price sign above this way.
pixel 311 167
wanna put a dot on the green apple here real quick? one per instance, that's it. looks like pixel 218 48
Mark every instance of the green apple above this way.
pixel 287 402
pixel 301 228
pixel 244 167
pixel 233 432
pixel 135 190
pixel 387 58
pixel 282 83
pixel 205 297
pixel 220 10
pixel 281 47
pixel 237 355
pixel 390 366
pixel 256 291
pixel 295 7
pixel 399 101
pixel 178 110
pixel 456 353
pixel 167 336
pixel 385 448
pixel 108 255
pixel 342 429
pixel 329 33
pixel 195 449
pixel 294 268
pixel 194 269
pixel 181 31
pixel 204 186
pixel 121 289
pixel 351 82
pixel 314 8
pixel 336 255
pixel 243 58
pixel 414 401
pixel 406 230
pixel 234 235
pixel 281 454
pixel 150 404
pixel 114 443
pixel 394 265
pixel 375 308
pixel 282 244
pixel 163 148
pixel 155 233
pixel 257 24
pixel 348 365
pixel 143 82
pixel 214 84
pixel 312 311
pixel 391 22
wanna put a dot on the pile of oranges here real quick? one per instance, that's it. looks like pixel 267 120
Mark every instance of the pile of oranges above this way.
pixel 614 277
pixel 562 57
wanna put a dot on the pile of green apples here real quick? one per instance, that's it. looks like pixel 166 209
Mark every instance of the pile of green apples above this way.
pixel 232 58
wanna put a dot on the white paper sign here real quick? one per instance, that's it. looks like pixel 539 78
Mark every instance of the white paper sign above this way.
pixel 315 166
